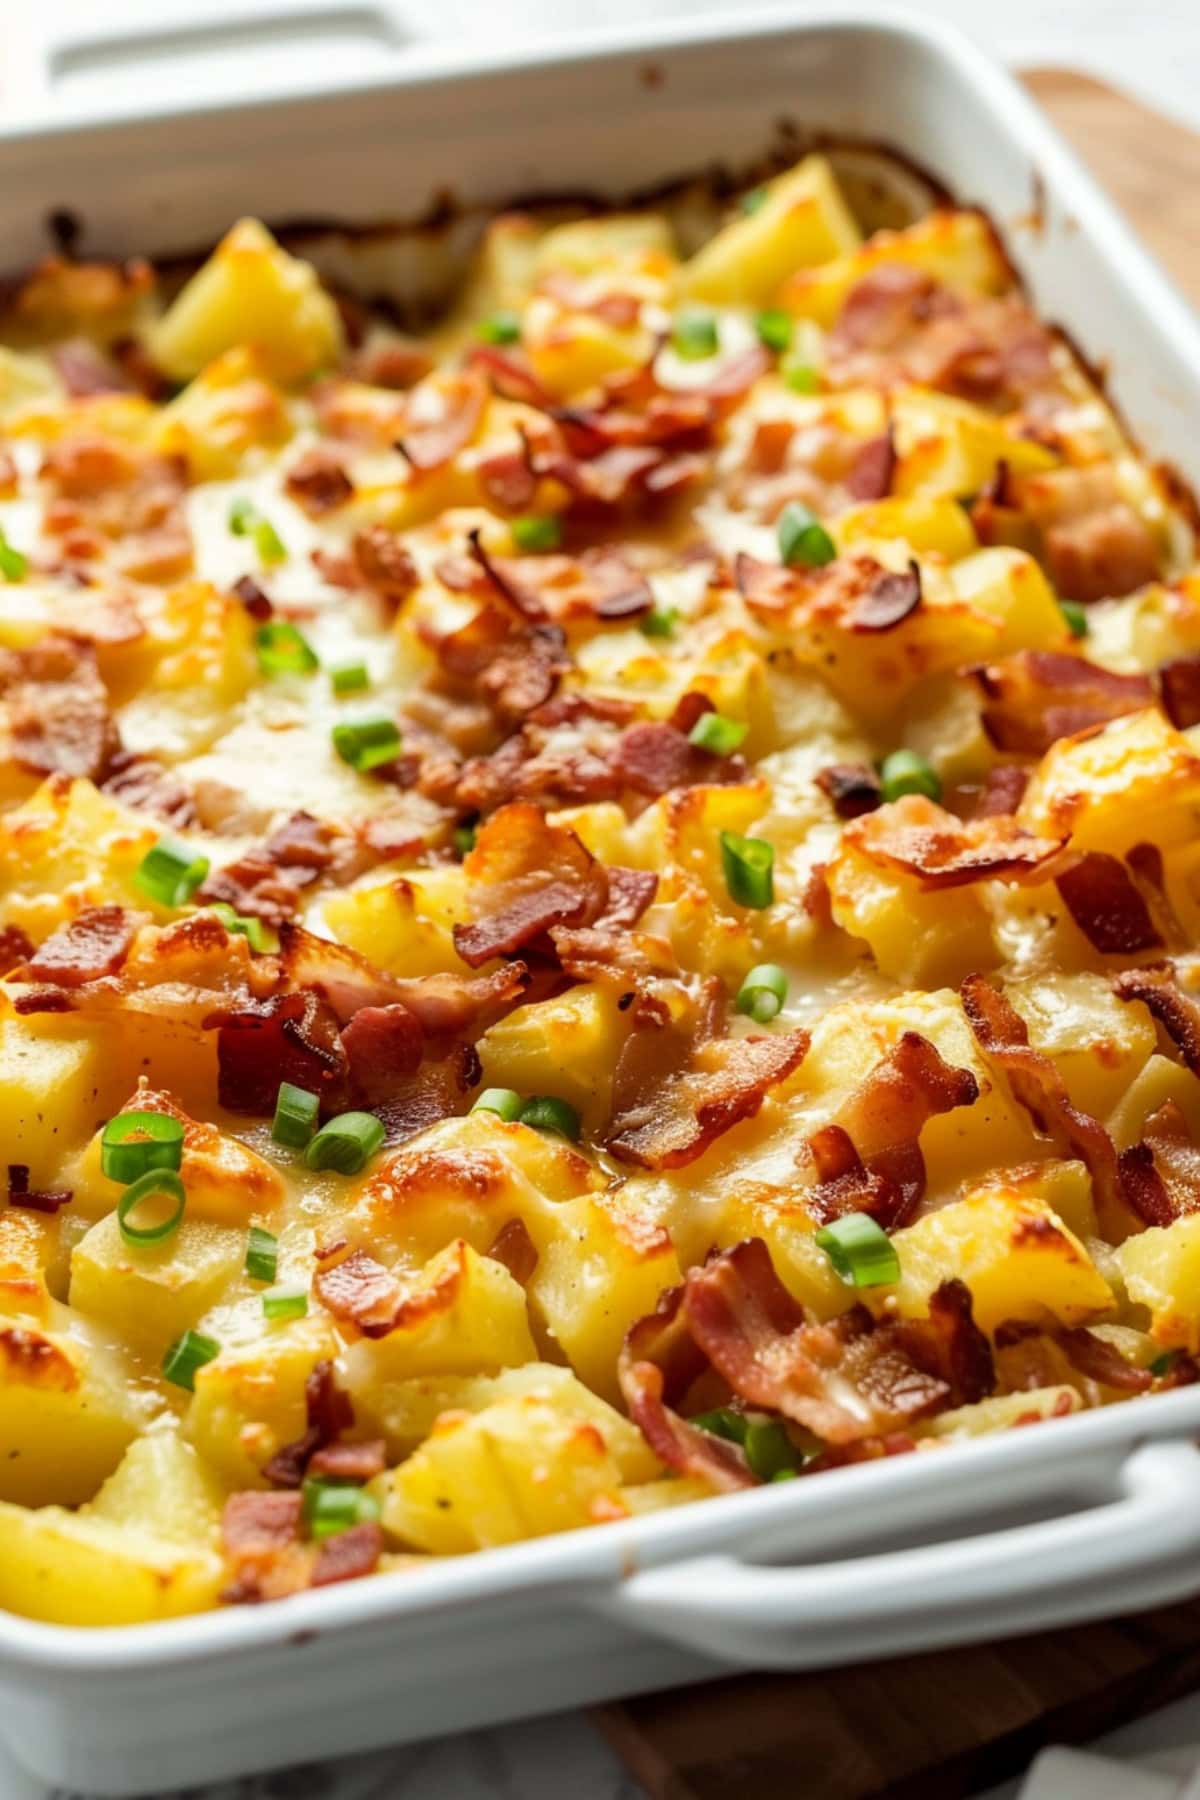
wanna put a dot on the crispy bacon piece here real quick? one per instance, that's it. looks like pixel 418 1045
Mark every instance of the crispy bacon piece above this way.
pixel 1036 1084
pixel 509 479
pixel 526 875
pixel 1101 1361
pixel 871 473
pixel 1036 697
pixel 1179 691
pixel 653 757
pixel 898 324
pixel 920 839
pixel 1102 898
pixel 255 1524
pixel 84 371
pixel 438 1090
pixel 1094 544
pixel 106 490
pixel 347 1555
pixel 350 1462
pixel 513 1246
pixel 363 1293
pixel 510 375
pixel 328 1412
pixel 450 1006
pixel 732 376
pixel 21 1194
pixel 511 666
pixel 54 708
pixel 599 584
pixel 870 1160
pixel 288 1037
pixel 400 363
pixel 384 1045
pixel 849 1379
pixel 659 1362
pixel 267 882
pixel 1160 1175
pixel 677 1087
pixel 16 946
pixel 431 439
pixel 1157 987
pixel 633 960
pixel 94 943
pixel 1002 792
pixel 317 481
pixel 562 754
pixel 383 563
pixel 853 788
pixel 149 786
pixel 853 593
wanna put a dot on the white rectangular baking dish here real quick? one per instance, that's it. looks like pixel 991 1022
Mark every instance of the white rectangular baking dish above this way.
pixel 1089 1516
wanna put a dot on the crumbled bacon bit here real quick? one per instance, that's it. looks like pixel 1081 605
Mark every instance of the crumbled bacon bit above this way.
pixel 350 1462
pixel 94 943
pixel 1036 697
pixel 654 757
pixel 257 603
pixel 429 442
pixel 383 563
pixel 1101 1361
pixel 870 1160
pixel 1179 691
pixel 362 1292
pixel 526 875
pixel 55 708
pixel 397 364
pixel 328 1412
pixel 267 882
pixel 317 481
pixel 1002 792
pixel 1094 544
pixel 1157 987
pixel 599 584
pixel 873 469
pixel 853 593
pixel 349 1554
pixel 21 1194
pixel 1102 898
pixel 16 946
pixel 514 1247
pixel 150 786
pixel 254 1524
pixel 853 788
pixel 289 1037
pixel 384 1045
pixel 919 838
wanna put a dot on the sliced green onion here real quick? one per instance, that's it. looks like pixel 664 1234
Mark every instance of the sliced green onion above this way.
pixel 267 541
pixel 261 938
pixel 537 531
pixel 285 1303
pixel 187 1354
pixel 784 1475
pixel 860 1251
pixel 769 1450
pixel 134 1143
pixel 660 622
pixel 717 734
pixel 503 327
pixel 282 650
pixel 349 678
pixel 774 328
pixel 803 538
pixel 694 335
pixel 755 200
pixel 908 772
pixel 345 1143
pixel 262 1254
pixel 802 378
pixel 763 992
pixel 505 1101
pixel 154 1182
pixel 1162 1364
pixel 329 1507
pixel 723 1422
pixel 296 1111
pixel 1074 617
pixel 13 563
pixel 366 743
pixel 464 838
pixel 242 514
pixel 170 874
pixel 546 1112
pixel 749 866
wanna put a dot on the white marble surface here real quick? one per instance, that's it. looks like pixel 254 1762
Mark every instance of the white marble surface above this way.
pixel 1153 49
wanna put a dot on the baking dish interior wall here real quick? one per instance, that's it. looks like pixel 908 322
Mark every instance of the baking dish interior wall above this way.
pixel 610 122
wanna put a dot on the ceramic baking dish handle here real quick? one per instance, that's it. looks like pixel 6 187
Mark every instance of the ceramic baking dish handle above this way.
pixel 1141 1548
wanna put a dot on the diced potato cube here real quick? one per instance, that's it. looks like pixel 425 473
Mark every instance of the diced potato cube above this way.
pixel 1061 1184
pixel 29 1243
pixel 1008 587
pixel 947 446
pixel 1160 1080
pixel 916 935
pixel 523 1467
pixel 26 381
pixel 925 524
pixel 153 1292
pixel 567 1046
pixel 1000 1413
pixel 1161 1270
pixel 1135 781
pixel 67 1411
pixel 1098 1043
pixel 405 924
pixel 249 1401
pixel 957 248
pixel 1015 1254
pixel 66 848
pixel 578 351
pixel 225 412
pixel 162 1488
pixel 803 220
pixel 464 1315
pixel 226 1182
pixel 250 291
pixel 79 1569
pixel 595 1277
pixel 50 1096
pixel 614 241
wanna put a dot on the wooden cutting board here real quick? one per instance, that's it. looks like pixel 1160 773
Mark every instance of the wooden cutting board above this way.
pixel 946 1725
